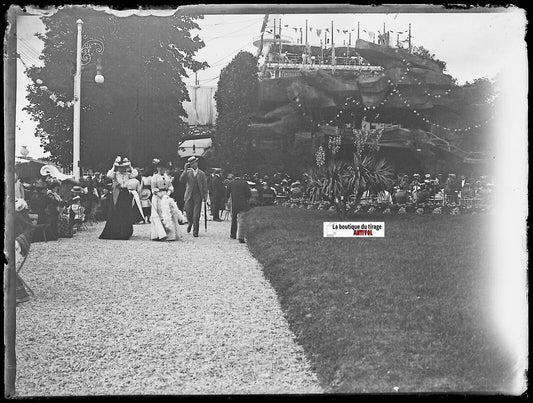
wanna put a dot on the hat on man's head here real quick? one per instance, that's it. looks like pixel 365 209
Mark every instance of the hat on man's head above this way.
pixel 122 162
pixel 192 159
pixel 157 162
pixel 76 198
pixel 76 189
pixel 428 175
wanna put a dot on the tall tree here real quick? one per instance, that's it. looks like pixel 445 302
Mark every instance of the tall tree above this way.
pixel 137 111
pixel 236 100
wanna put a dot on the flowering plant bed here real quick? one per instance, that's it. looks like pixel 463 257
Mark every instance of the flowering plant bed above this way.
pixel 430 207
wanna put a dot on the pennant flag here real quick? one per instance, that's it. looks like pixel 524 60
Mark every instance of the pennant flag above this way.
pixel 345 31
pixel 318 32
pixel 311 29
pixel 338 31
pixel 327 29
pixel 295 29
pixel 285 25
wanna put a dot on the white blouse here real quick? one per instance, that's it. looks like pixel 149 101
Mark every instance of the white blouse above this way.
pixel 120 179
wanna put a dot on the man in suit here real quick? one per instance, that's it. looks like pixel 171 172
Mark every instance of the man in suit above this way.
pixel 239 191
pixel 216 194
pixel 195 193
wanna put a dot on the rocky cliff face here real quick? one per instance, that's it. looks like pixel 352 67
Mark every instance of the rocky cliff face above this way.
pixel 410 91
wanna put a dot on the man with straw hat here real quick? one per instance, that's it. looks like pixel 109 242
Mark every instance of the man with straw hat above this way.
pixel 195 193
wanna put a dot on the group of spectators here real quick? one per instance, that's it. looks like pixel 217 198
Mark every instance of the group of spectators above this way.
pixel 448 189
pixel 62 207
pixel 415 188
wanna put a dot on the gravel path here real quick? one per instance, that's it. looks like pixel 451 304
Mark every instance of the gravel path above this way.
pixel 138 317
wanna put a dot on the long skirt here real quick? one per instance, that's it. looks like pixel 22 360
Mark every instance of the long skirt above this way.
pixel 119 224
pixel 165 218
pixel 137 213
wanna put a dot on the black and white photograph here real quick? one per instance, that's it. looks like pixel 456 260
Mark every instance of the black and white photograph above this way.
pixel 232 199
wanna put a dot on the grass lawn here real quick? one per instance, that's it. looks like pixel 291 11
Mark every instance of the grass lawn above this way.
pixel 409 310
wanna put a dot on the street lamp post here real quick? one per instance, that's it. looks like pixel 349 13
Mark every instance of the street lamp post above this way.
pixel 77 96
pixel 83 57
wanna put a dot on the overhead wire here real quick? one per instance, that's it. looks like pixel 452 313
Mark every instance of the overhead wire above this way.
pixel 231 22
pixel 29 47
pixel 229 33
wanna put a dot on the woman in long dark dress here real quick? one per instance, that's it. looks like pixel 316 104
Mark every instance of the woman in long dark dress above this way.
pixel 44 203
pixel 119 224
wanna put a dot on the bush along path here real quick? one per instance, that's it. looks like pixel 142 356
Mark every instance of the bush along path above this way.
pixel 141 317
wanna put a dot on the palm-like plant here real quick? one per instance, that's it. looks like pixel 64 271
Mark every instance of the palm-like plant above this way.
pixel 368 173
pixel 338 181
pixel 330 182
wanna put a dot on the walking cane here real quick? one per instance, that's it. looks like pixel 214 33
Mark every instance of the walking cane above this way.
pixel 205 215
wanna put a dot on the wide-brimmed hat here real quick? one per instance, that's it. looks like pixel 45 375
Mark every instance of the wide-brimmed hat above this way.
pixel 122 162
pixel 76 198
pixel 20 204
pixel 76 189
pixel 192 159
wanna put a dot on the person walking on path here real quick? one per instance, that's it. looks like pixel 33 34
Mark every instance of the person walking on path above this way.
pixel 165 216
pixel 119 224
pixel 216 194
pixel 240 193
pixel 195 193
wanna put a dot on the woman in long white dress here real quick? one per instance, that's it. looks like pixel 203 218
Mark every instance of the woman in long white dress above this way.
pixel 165 216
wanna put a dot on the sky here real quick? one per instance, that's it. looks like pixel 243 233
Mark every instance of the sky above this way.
pixel 473 45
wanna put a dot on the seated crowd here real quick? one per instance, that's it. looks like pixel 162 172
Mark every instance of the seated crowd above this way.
pixel 415 188
pixel 59 209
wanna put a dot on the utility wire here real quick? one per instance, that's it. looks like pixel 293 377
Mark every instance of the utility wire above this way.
pixel 29 47
pixel 230 22
pixel 233 53
pixel 27 53
pixel 229 33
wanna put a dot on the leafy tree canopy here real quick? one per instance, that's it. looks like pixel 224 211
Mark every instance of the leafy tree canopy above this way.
pixel 137 111
pixel 236 99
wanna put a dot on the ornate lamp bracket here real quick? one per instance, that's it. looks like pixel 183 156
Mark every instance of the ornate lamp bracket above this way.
pixel 90 48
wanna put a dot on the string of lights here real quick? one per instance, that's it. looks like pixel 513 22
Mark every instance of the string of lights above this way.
pixel 395 90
